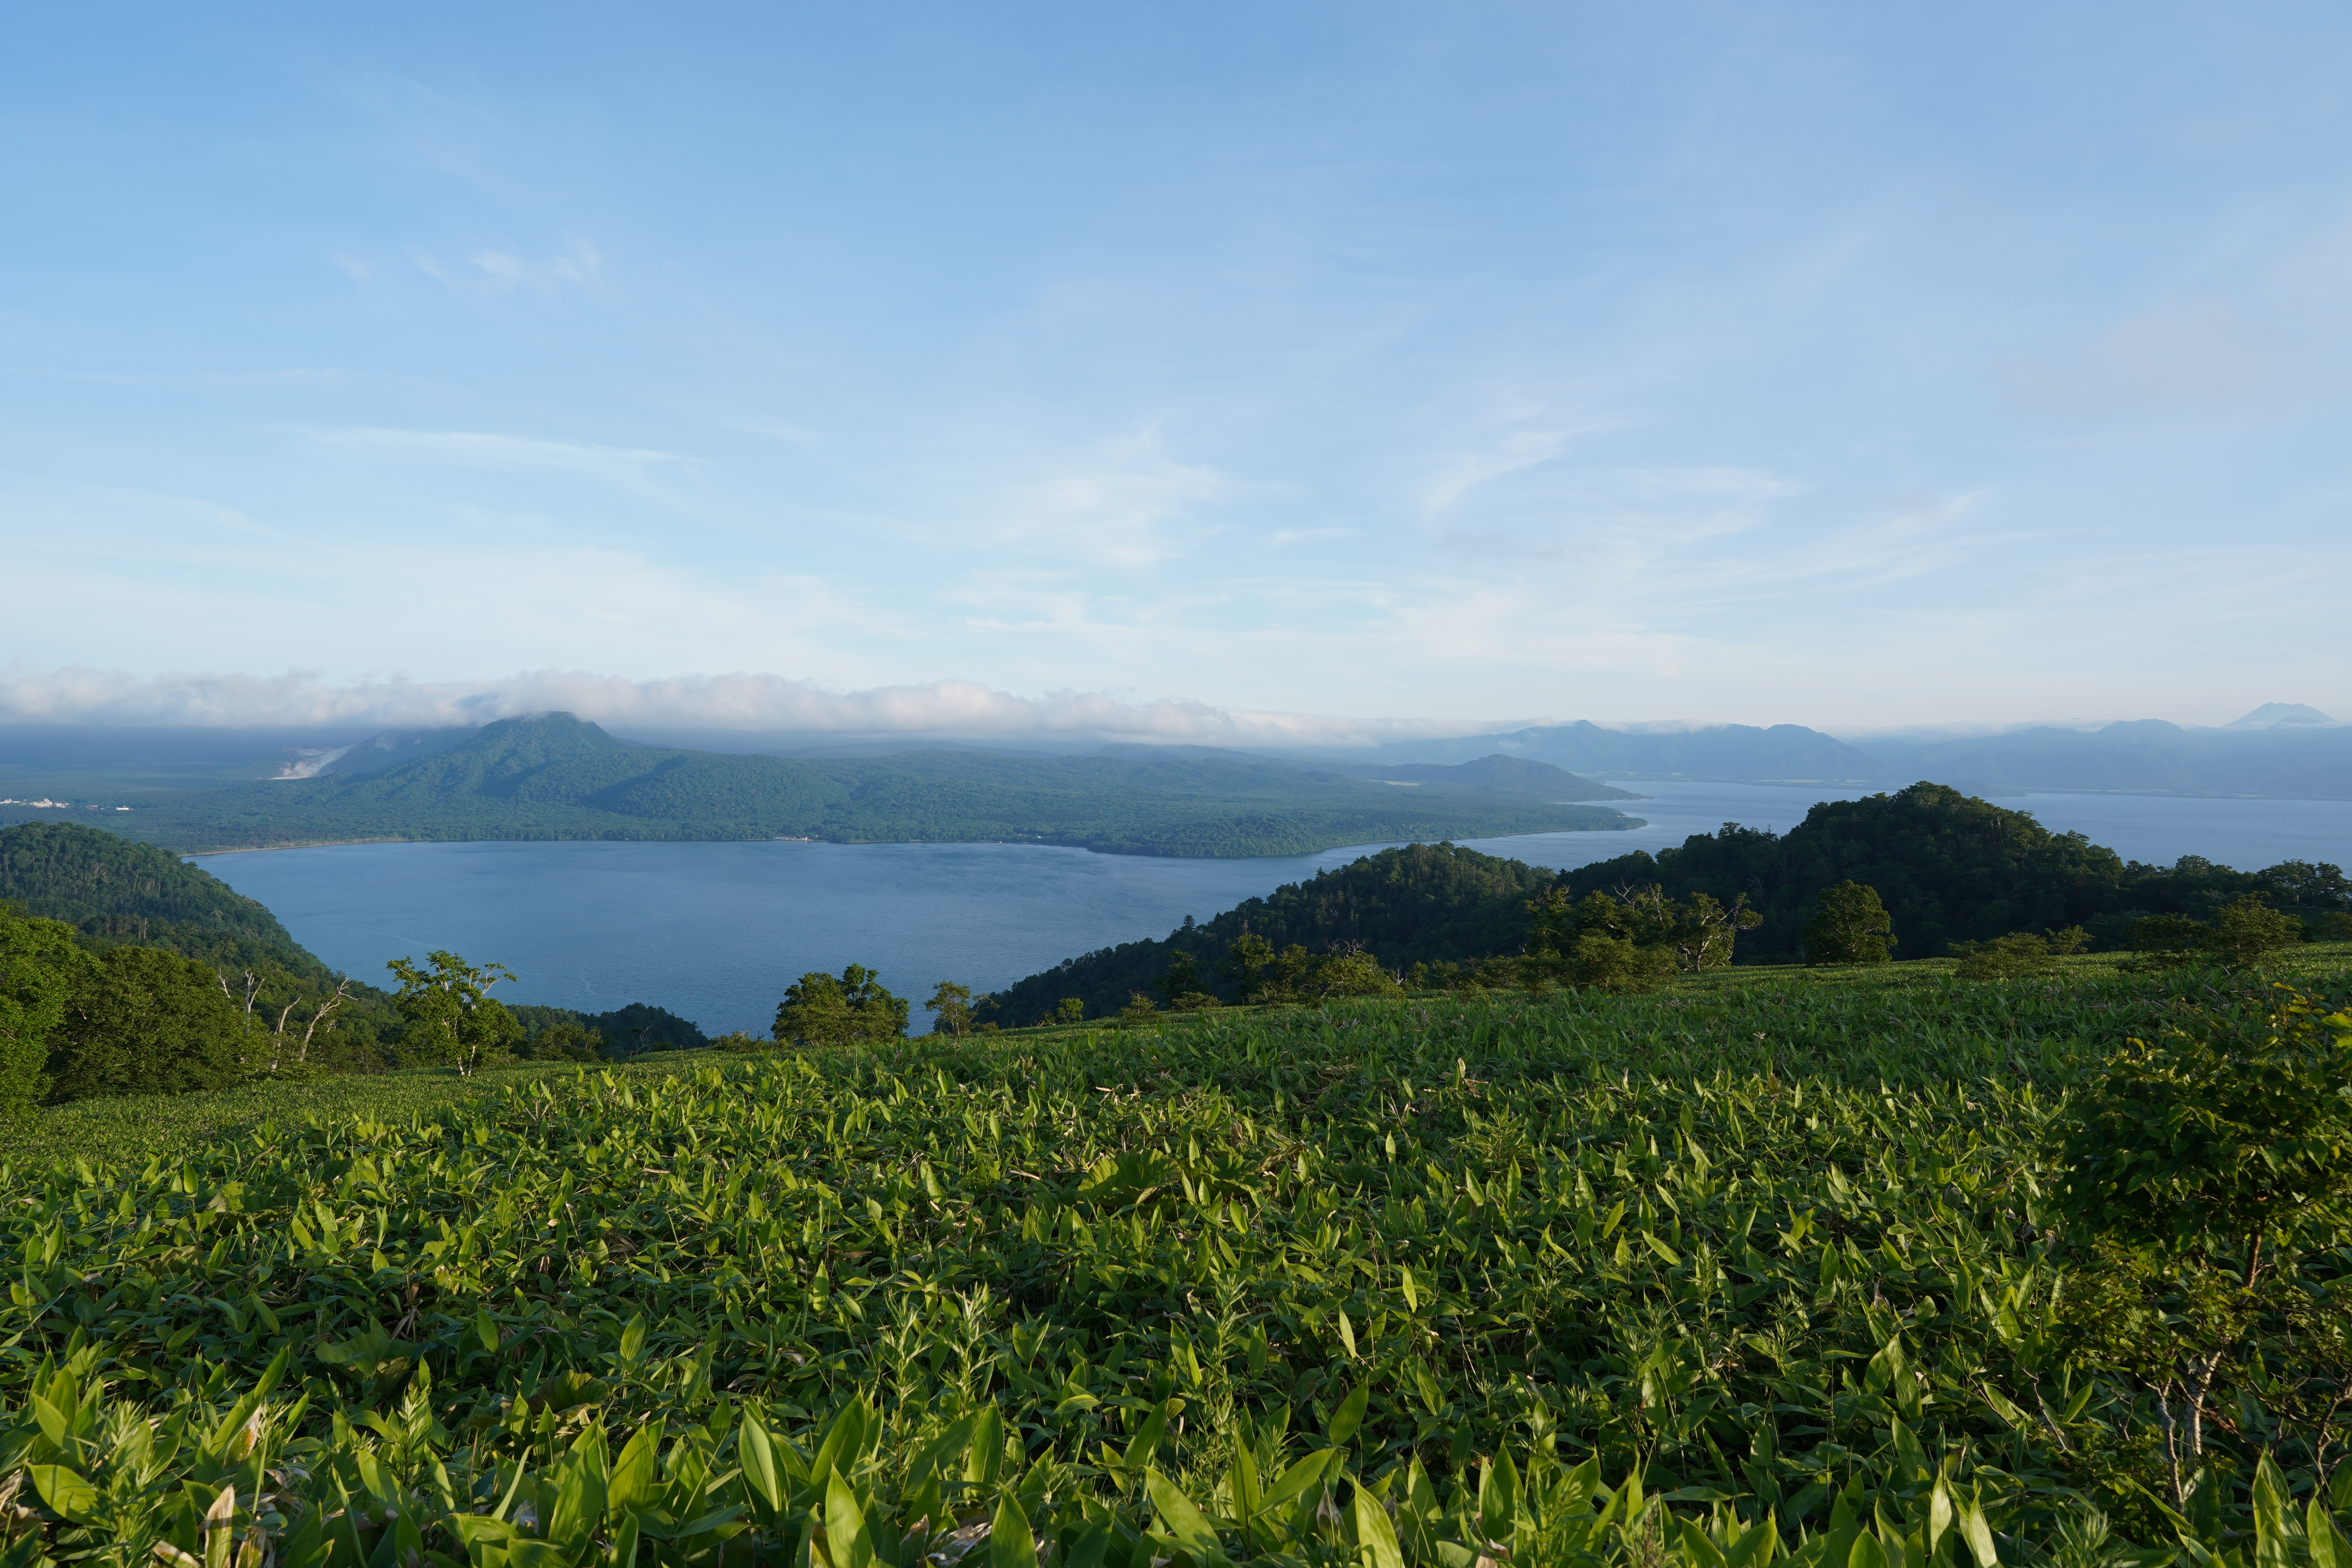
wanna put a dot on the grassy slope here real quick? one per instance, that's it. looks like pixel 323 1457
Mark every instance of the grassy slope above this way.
pixel 135 1128
pixel 1676 1228
pixel 1902 1014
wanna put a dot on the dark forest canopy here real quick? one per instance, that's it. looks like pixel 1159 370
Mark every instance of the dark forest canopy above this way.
pixel 1947 867
pixel 114 891
pixel 1422 903
pixel 552 776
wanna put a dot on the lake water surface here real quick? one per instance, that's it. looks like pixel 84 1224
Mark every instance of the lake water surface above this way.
pixel 716 932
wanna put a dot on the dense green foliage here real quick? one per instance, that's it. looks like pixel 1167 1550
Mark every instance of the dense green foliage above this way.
pixel 1944 868
pixel 1755 1249
pixel 1422 903
pixel 39 961
pixel 2203 1169
pixel 552 776
pixel 619 1033
pixel 1849 925
pixel 447 1014
pixel 142 1021
pixel 1948 868
pixel 140 1127
pixel 1606 939
pixel 821 1010
pixel 114 891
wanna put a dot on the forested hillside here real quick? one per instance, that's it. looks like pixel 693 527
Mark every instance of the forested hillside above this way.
pixel 1423 903
pixel 170 981
pixel 552 776
pixel 114 891
pixel 1517 775
pixel 1947 867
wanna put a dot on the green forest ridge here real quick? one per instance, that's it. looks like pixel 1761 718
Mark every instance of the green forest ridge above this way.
pixel 553 776
pixel 1948 868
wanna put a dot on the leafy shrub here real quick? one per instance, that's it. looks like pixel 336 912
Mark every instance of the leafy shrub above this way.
pixel 2242 934
pixel 142 1021
pixel 2247 930
pixel 2191 1155
pixel 38 966
pixel 823 1011
pixel 1354 974
pixel 2016 955
pixel 1849 926
pixel 450 1014
pixel 1616 964
pixel 1693 936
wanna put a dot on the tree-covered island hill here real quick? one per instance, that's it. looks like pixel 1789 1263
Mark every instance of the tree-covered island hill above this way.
pixel 1916 1186
pixel 552 776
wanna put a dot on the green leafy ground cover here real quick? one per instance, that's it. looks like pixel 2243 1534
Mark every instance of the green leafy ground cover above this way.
pixel 1758 1263
pixel 137 1127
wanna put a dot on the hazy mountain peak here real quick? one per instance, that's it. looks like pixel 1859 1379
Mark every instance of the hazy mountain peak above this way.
pixel 2277 715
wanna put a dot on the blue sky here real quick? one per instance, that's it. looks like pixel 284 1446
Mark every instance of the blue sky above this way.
pixel 1837 365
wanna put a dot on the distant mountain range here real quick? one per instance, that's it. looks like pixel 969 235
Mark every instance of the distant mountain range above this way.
pixel 1783 753
pixel 2280 749
pixel 2306 757
pixel 1144 799
pixel 553 776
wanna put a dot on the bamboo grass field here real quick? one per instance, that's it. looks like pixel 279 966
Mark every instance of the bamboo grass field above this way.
pixel 1762 1263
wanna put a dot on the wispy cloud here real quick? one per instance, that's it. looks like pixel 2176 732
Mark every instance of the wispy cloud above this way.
pixel 1125 508
pixel 630 467
pixel 578 265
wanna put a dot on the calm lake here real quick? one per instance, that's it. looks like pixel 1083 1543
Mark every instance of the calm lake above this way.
pixel 716 932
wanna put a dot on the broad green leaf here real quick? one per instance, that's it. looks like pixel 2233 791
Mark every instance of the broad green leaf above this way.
pixel 1978 1534
pixel 1301 1476
pixel 1009 1541
pixel 1376 1541
pixel 848 1540
pixel 52 1423
pixel 1350 1415
pixel 1499 1498
pixel 1183 1523
pixel 68 1495
pixel 1698 1549
pixel 632 1472
pixel 756 1451
pixel 1757 1545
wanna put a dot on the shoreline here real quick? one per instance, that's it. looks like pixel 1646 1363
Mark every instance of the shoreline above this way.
pixel 1630 825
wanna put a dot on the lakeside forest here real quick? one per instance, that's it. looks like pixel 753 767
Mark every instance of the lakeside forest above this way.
pixel 552 776
pixel 1913 1187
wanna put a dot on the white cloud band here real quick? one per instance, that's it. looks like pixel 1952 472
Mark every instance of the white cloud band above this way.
pixel 750 702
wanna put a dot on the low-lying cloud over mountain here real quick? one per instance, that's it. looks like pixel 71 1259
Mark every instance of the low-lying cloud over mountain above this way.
pixel 306 725
pixel 770 704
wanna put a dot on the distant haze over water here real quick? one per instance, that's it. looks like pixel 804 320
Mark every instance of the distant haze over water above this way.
pixel 717 931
